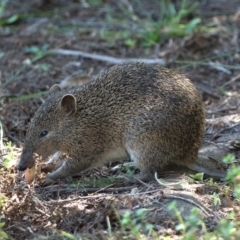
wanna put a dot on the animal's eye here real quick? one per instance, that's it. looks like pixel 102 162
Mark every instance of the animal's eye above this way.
pixel 43 133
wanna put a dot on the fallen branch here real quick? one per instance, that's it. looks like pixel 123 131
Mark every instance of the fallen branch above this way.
pixel 105 58
pixel 201 207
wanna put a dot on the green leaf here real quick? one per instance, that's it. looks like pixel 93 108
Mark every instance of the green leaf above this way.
pixel 12 19
pixel 230 158
pixel 67 235
pixel 197 176
pixel 176 31
pixel 2 224
pixel 3 235
pixel 9 20
pixel 130 42
pixel 192 24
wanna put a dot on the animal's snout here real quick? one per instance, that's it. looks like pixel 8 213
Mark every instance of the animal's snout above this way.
pixel 21 167
pixel 26 161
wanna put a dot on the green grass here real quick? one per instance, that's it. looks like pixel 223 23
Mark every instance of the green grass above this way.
pixel 9 20
pixel 137 224
pixel 9 160
pixel 127 27
pixel 146 32
pixel 29 96
pixel 3 234
pixel 1 136
pixel 94 182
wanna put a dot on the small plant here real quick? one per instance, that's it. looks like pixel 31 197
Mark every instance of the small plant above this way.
pixel 9 160
pixel 128 170
pixel 37 52
pixel 233 174
pixel 1 136
pixel 170 22
pixel 197 176
pixel 9 20
pixel 190 227
pixel 173 17
pixel 146 31
pixel 216 199
pixel 44 67
pixel 3 234
pixel 228 227
pixel 136 223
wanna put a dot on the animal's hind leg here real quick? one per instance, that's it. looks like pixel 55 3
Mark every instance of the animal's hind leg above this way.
pixel 149 145
pixel 147 158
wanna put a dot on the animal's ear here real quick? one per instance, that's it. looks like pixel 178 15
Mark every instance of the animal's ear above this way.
pixel 69 104
pixel 55 88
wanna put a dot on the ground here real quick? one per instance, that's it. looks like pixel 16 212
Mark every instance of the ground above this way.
pixel 95 204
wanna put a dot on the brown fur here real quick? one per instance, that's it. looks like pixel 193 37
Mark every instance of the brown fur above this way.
pixel 148 113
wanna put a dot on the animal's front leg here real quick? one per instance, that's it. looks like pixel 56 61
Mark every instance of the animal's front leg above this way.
pixel 67 169
pixel 54 162
pixel 55 157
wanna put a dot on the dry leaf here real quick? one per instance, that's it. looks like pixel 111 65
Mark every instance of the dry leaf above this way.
pixel 29 174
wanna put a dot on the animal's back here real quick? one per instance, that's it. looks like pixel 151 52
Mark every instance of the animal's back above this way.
pixel 130 88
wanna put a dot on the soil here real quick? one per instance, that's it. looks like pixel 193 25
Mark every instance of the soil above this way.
pixel 211 59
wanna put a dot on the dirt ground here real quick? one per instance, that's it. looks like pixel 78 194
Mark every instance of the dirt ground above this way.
pixel 74 208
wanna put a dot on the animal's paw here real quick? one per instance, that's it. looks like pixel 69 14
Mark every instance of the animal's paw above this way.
pixel 46 168
pixel 48 181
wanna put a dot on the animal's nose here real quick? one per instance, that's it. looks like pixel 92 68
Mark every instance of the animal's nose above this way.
pixel 26 160
pixel 21 167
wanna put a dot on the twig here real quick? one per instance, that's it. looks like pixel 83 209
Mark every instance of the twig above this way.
pixel 203 208
pixel 65 201
pixel 30 230
pixel 231 127
pixel 218 66
pixel 204 63
pixel 135 179
pixel 211 142
pixel 222 110
pixel 179 183
pixel 109 228
pixel 207 90
pixel 143 183
pixel 224 119
pixel 53 188
pixel 104 188
pixel 35 27
pixel 226 128
pixel 105 58
pixel 231 81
